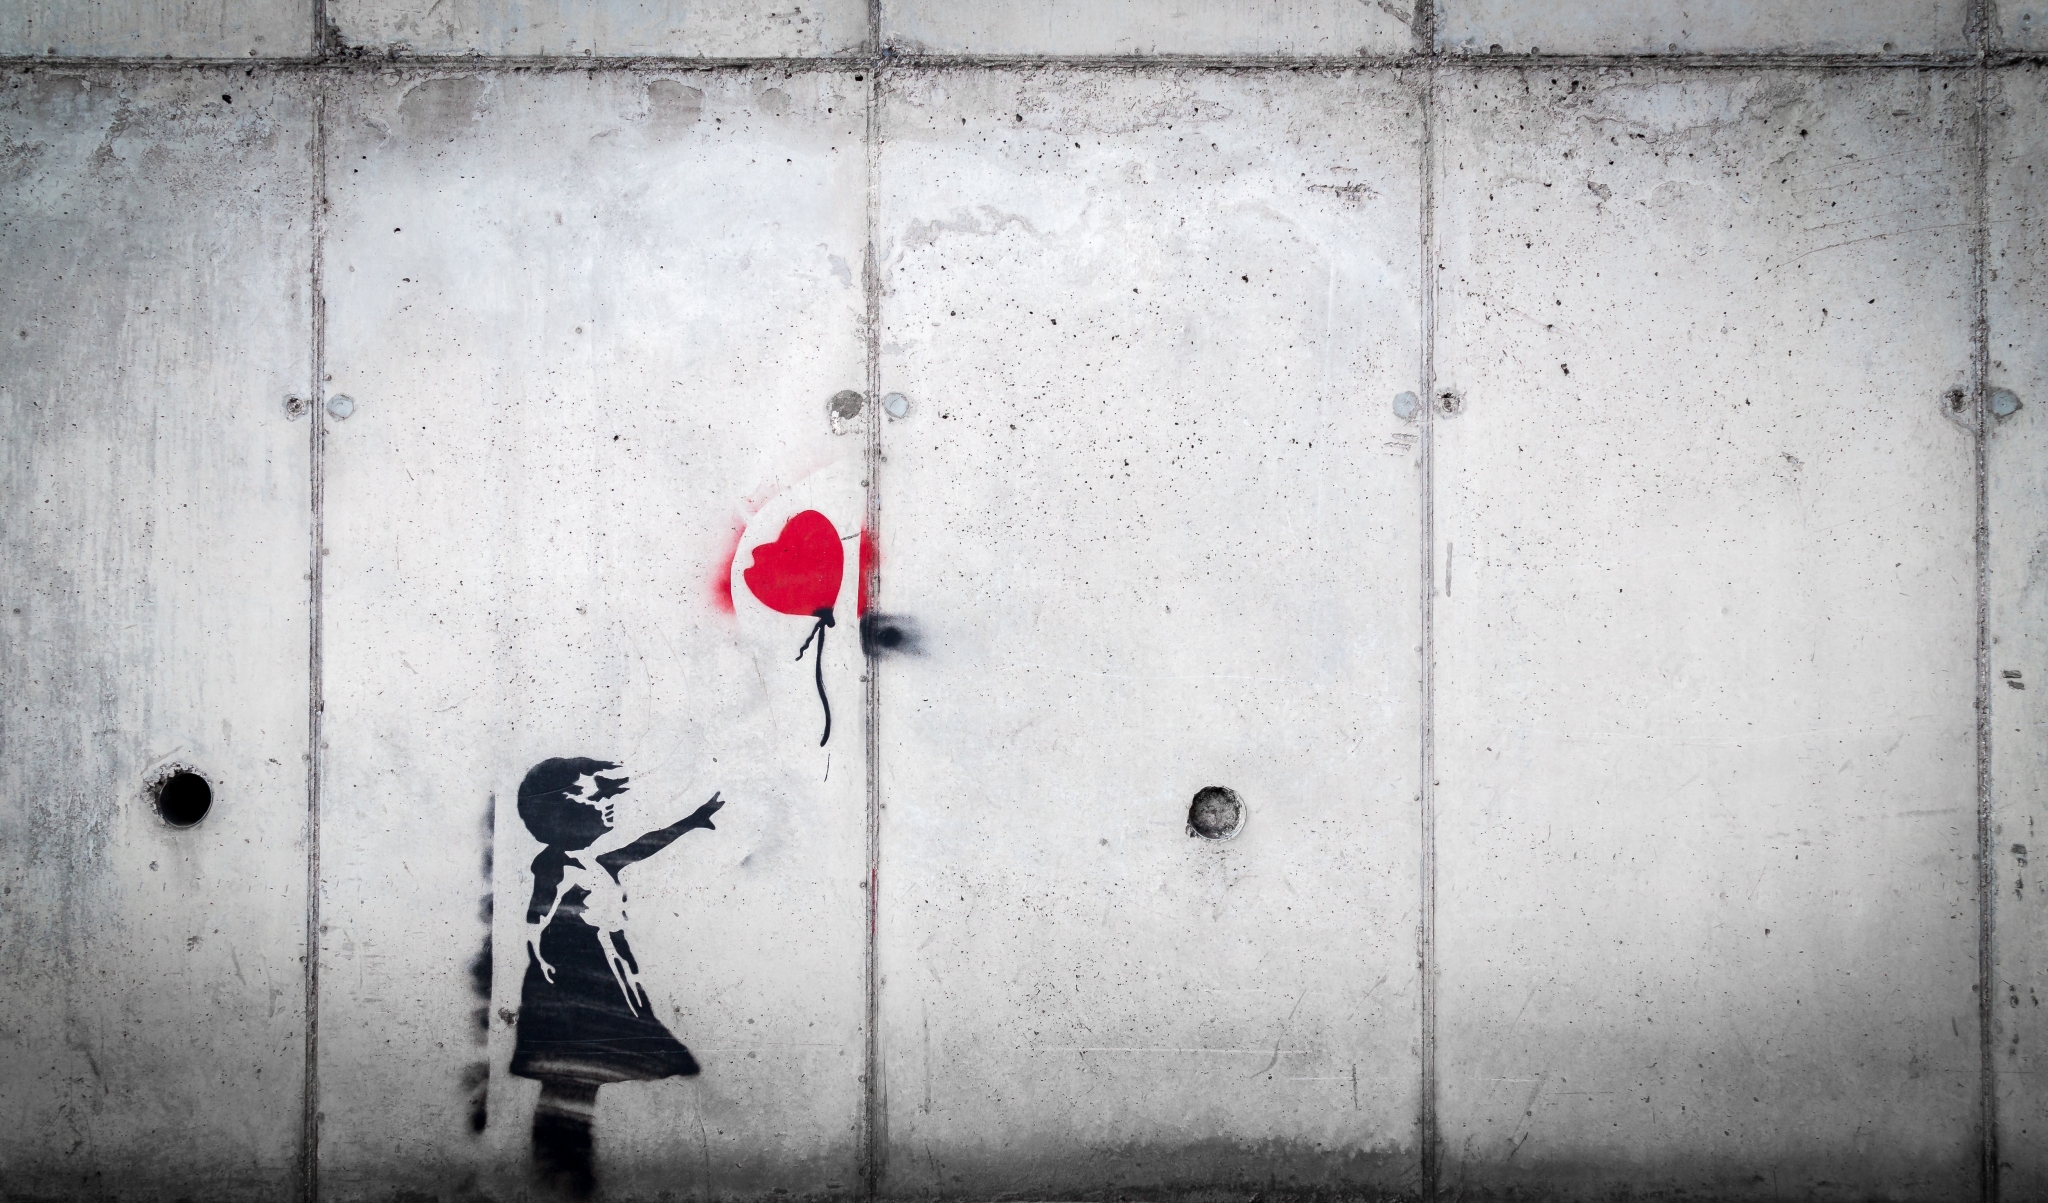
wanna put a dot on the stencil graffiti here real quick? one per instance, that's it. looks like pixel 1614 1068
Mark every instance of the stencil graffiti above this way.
pixel 584 1018
pixel 799 574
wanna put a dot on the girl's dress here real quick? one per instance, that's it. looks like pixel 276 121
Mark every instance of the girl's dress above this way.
pixel 590 1025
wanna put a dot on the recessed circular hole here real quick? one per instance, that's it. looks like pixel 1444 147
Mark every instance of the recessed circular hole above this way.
pixel 1216 813
pixel 183 798
pixel 845 404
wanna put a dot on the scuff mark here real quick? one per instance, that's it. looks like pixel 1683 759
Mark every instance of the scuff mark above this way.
pixel 919 234
pixel 1280 1037
pixel 1355 193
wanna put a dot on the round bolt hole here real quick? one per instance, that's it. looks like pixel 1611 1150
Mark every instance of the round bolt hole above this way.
pixel 183 798
pixel 1216 813
pixel 846 403
pixel 295 407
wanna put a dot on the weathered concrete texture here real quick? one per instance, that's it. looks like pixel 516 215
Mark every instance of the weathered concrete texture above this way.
pixel 1705 635
pixel 153 556
pixel 2020 26
pixel 719 29
pixel 1718 26
pixel 157 28
pixel 1155 520
pixel 2016 451
pixel 1148 27
pixel 590 324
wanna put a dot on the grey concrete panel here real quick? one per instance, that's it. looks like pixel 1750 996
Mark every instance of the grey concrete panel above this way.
pixel 2020 26
pixel 158 28
pixel 2016 451
pixel 1705 633
pixel 1633 27
pixel 1306 27
pixel 720 29
pixel 1153 518
pixel 153 556
pixel 589 325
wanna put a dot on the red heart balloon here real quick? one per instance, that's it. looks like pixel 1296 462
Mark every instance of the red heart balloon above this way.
pixel 800 572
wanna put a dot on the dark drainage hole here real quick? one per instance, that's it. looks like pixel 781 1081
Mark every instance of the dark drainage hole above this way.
pixel 1216 813
pixel 183 799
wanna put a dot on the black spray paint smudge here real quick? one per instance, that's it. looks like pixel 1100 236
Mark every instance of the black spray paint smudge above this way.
pixel 889 634
pixel 476 1077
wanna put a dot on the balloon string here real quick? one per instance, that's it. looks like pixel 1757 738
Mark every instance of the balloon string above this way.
pixel 818 633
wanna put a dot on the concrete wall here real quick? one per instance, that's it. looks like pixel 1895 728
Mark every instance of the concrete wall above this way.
pixel 1571 470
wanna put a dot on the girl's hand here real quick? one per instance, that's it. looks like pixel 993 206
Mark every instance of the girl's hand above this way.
pixel 547 971
pixel 701 817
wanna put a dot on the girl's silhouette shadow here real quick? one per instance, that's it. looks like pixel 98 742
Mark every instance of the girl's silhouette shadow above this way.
pixel 584 1019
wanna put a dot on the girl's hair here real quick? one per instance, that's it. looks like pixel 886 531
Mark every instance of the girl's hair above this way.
pixel 553 807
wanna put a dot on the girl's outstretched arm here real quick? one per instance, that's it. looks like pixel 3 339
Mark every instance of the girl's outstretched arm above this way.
pixel 654 841
pixel 547 896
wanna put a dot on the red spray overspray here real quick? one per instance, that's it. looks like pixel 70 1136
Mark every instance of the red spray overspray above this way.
pixel 721 584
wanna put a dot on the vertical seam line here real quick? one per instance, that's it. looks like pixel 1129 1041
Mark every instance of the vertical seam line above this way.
pixel 1427 1118
pixel 315 699
pixel 873 1121
pixel 1980 365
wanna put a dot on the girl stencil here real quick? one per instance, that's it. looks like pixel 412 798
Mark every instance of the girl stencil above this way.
pixel 584 1019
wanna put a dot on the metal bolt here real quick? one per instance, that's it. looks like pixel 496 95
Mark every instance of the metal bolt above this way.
pixel 341 406
pixel 1406 406
pixel 895 405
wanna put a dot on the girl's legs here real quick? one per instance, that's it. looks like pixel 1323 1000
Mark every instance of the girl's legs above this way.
pixel 561 1135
